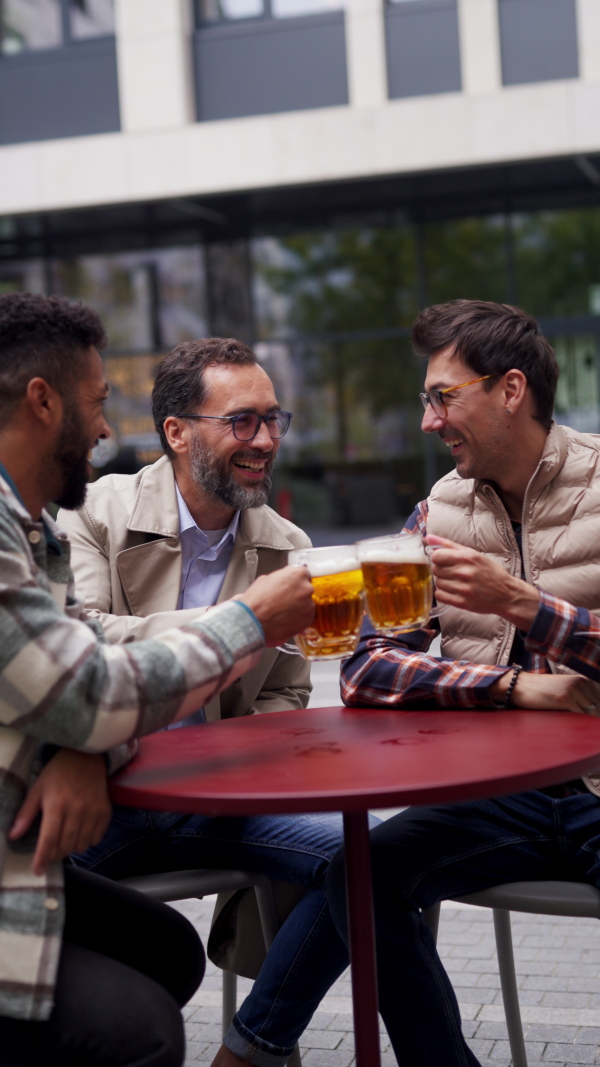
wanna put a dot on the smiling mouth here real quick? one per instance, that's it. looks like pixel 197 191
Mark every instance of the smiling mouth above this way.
pixel 452 443
pixel 251 467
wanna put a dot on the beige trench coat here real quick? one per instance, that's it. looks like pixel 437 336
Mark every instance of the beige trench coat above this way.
pixel 126 557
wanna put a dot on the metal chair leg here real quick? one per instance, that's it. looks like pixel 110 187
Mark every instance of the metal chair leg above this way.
pixel 508 983
pixel 229 1004
pixel 267 910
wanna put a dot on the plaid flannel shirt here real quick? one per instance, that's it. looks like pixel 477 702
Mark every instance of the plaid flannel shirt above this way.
pixel 60 684
pixel 396 672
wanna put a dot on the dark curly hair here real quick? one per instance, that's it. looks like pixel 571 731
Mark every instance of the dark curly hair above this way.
pixel 179 386
pixel 45 337
pixel 492 339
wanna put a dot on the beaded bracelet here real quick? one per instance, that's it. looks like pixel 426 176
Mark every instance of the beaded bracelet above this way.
pixel 509 692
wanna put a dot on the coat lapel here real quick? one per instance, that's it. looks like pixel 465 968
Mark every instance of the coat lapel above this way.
pixel 150 572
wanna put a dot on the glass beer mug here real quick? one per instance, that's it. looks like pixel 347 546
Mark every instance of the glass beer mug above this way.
pixel 398 582
pixel 337 583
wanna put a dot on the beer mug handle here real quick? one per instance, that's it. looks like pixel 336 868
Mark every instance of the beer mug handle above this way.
pixel 435 612
pixel 290 647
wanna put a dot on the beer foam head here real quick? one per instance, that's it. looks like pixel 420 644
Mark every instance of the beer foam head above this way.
pixel 403 548
pixel 335 559
pixel 319 568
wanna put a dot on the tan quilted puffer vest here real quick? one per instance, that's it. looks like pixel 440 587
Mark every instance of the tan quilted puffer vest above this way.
pixel 560 537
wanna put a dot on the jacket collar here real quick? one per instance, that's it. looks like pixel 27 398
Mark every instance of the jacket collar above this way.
pixel 550 465
pixel 155 511
pixel 155 508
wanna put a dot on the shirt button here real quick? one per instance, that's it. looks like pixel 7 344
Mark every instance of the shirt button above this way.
pixel 34 537
pixel 51 904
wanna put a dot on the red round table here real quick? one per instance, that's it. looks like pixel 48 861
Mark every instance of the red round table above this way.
pixel 350 760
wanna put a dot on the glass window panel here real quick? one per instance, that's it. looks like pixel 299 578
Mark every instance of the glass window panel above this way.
pixel 467 258
pixel 91 18
pixel 577 392
pixel 183 313
pixel 149 302
pixel 291 8
pixel 25 275
pixel 334 282
pixel 216 10
pixel 557 261
pixel 30 24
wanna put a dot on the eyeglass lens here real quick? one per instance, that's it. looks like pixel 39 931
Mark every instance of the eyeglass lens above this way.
pixel 246 426
pixel 436 400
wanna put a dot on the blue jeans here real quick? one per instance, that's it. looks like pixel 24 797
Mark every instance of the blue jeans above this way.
pixel 425 855
pixel 307 955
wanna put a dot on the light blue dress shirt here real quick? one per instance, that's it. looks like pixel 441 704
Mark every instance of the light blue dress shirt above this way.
pixel 205 556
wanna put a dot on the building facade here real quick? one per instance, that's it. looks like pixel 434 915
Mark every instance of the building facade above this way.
pixel 306 174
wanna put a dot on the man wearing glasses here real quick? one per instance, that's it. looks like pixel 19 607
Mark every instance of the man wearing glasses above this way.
pixel 516 533
pixel 155 549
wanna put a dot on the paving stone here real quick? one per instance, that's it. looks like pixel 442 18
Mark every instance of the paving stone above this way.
pixel 470 1027
pixel 584 985
pixel 323 1058
pixel 570 1053
pixel 531 997
pixel 321 1020
pixel 495 1031
pixel 547 1032
pixel 566 1000
pixel 489 981
pixel 554 984
pixel 534 1050
pixel 587 1035
pixel 480 1048
pixel 321 1038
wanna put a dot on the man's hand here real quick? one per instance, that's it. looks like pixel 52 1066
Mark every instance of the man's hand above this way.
pixel 471 580
pixel 282 602
pixel 550 692
pixel 72 795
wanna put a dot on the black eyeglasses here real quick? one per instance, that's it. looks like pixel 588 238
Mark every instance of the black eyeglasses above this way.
pixel 246 426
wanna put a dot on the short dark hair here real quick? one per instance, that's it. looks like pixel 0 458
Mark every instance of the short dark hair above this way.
pixel 179 385
pixel 46 337
pixel 492 339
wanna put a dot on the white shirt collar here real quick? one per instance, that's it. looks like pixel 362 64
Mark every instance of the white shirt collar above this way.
pixel 186 522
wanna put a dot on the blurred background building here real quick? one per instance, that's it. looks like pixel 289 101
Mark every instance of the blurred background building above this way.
pixel 304 175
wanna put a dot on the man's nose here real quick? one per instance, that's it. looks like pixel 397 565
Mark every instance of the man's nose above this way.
pixel 105 431
pixel 431 421
pixel 263 438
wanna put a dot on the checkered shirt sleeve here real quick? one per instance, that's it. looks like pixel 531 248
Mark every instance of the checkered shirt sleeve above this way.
pixel 397 672
pixel 566 635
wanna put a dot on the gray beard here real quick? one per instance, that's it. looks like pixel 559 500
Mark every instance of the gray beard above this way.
pixel 211 474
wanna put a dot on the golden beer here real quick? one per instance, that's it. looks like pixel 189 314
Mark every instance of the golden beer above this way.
pixel 398 582
pixel 399 595
pixel 337 583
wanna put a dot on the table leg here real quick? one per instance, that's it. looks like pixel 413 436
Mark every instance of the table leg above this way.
pixel 362 939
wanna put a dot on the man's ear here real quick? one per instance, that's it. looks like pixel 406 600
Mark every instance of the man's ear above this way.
pixel 44 403
pixel 515 385
pixel 177 433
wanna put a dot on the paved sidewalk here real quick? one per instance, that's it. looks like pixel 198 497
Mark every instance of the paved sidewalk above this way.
pixel 558 963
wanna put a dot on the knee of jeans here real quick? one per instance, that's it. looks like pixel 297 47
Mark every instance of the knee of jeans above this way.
pixel 335 888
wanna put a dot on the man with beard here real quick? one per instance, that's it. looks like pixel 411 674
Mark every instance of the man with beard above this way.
pixel 152 549
pixel 91 973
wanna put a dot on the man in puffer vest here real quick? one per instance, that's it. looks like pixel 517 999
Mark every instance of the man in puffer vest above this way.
pixel 516 534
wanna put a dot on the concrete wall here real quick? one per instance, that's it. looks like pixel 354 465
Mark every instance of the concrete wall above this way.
pixel 163 152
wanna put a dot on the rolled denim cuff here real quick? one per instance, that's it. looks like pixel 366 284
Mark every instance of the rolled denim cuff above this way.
pixel 243 1043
